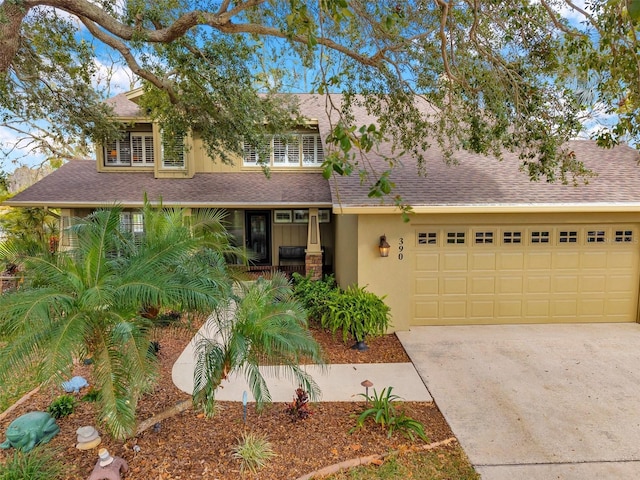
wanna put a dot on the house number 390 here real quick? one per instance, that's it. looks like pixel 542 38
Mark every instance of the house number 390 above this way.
pixel 401 249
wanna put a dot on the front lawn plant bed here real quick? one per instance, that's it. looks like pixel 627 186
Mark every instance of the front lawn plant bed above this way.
pixel 191 445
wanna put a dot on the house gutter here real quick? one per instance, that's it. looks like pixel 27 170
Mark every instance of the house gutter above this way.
pixel 602 207
pixel 140 204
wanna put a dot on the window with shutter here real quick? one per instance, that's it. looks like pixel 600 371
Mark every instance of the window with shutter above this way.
pixel 293 150
pixel 173 153
pixel 133 149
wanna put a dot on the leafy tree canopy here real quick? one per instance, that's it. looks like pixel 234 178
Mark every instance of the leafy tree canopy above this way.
pixel 522 75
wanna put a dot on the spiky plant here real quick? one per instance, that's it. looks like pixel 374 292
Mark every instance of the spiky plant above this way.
pixel 265 326
pixel 88 302
pixel 254 451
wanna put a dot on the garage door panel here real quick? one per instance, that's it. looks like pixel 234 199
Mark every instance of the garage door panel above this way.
pixel 593 284
pixel 510 309
pixel 539 284
pixel 594 260
pixel 454 285
pixel 483 262
pixel 482 308
pixel 429 286
pixel 428 262
pixel 454 308
pixel 564 308
pixel 565 284
pixel 537 308
pixel 592 307
pixel 483 285
pixel 510 261
pixel 534 277
pixel 620 259
pixel 455 262
pixel 623 284
pixel 510 285
pixel 566 261
pixel 427 310
pixel 538 260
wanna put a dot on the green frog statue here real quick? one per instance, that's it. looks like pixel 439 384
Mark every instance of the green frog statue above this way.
pixel 29 430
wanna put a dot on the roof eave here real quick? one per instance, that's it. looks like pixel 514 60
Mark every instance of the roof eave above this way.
pixel 631 207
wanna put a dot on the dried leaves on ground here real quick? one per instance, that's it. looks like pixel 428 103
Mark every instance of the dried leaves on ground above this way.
pixel 192 446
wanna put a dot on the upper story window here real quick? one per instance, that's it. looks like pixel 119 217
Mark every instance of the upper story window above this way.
pixel 292 150
pixel 173 152
pixel 132 149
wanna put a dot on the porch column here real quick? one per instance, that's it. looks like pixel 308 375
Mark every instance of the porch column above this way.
pixel 313 257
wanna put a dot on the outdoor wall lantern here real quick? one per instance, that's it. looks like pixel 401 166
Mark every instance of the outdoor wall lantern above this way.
pixel 384 246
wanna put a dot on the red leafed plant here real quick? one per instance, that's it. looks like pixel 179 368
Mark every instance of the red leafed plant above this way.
pixel 299 407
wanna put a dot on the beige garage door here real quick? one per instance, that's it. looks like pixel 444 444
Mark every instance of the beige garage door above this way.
pixel 525 274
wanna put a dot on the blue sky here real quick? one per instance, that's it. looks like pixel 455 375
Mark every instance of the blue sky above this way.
pixel 113 78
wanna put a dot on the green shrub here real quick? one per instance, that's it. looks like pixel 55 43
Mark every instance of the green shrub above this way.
pixel 356 312
pixel 253 451
pixel 383 412
pixel 38 464
pixel 313 293
pixel 91 396
pixel 62 406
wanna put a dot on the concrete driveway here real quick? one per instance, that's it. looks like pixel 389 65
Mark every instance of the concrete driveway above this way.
pixel 537 402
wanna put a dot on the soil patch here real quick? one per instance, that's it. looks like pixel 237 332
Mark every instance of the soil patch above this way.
pixel 191 446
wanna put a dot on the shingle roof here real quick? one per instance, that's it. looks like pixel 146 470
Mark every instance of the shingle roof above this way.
pixel 123 107
pixel 475 181
pixel 484 180
pixel 78 183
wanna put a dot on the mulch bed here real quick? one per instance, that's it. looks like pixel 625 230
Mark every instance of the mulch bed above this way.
pixel 192 446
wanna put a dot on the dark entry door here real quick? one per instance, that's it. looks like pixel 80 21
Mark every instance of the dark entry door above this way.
pixel 258 232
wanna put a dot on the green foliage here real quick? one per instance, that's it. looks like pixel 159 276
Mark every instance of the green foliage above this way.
pixel 62 406
pixel 253 451
pixel 264 325
pixel 93 395
pixel 441 464
pixel 28 230
pixel 356 312
pixel 313 293
pixel 86 302
pixel 496 76
pixel 41 463
pixel 383 412
pixel 166 319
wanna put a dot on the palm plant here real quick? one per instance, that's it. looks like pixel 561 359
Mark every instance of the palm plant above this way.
pixel 88 302
pixel 264 325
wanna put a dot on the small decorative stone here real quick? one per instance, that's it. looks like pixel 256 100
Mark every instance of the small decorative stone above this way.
pixel 88 438
pixel 108 467
pixel 29 430
pixel 75 384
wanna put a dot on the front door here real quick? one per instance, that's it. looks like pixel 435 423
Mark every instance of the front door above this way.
pixel 258 231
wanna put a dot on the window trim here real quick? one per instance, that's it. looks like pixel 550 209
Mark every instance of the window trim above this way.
pixel 123 148
pixel 282 147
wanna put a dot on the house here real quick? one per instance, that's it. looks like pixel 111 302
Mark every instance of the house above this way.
pixel 483 245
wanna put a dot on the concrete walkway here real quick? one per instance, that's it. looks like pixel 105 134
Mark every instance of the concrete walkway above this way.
pixel 537 402
pixel 338 383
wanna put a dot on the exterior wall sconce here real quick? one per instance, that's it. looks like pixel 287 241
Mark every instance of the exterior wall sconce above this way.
pixel 384 246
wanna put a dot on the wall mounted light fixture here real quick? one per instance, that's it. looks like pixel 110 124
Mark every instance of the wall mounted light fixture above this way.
pixel 384 246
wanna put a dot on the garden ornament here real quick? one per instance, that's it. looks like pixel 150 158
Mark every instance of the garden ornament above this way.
pixel 88 438
pixel 108 467
pixel 74 385
pixel 29 430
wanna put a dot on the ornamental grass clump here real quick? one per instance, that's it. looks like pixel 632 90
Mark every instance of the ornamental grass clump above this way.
pixel 253 451
pixel 40 463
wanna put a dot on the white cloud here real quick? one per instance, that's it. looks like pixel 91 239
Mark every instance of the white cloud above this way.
pixel 112 77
